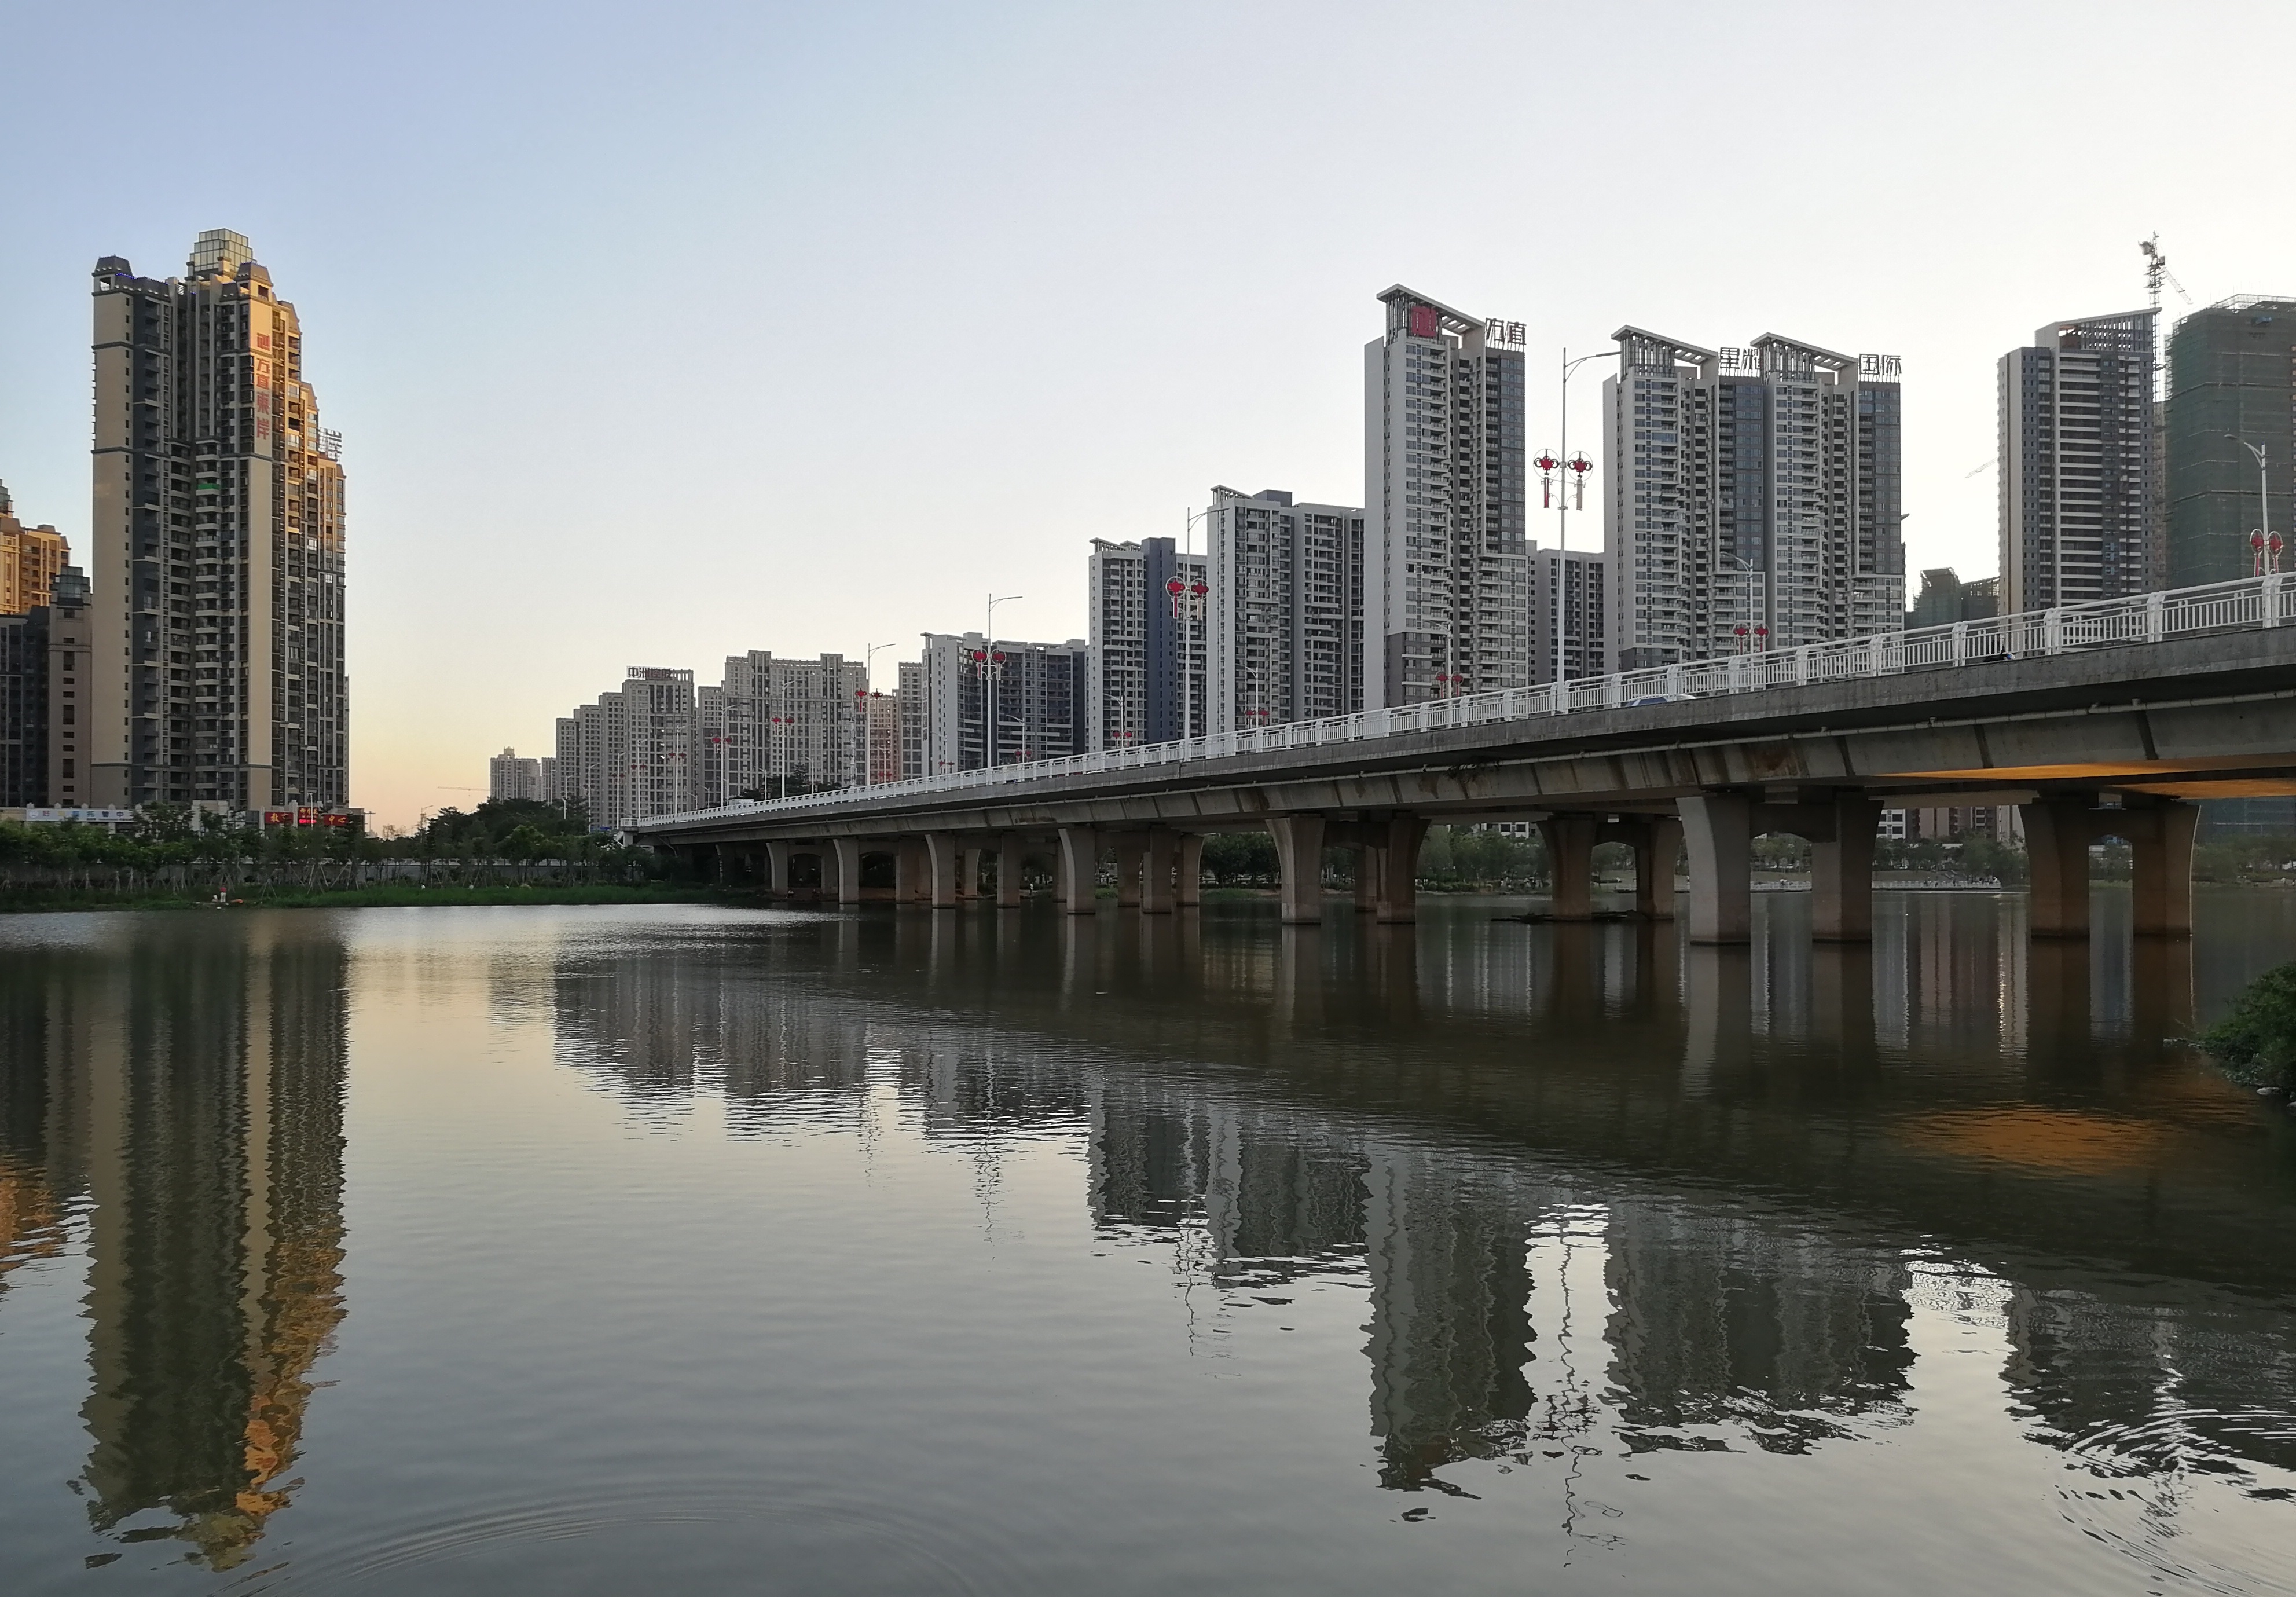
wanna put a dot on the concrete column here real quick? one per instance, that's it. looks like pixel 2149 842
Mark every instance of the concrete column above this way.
pixel 2162 847
pixel 1300 855
pixel 1008 871
pixel 777 869
pixel 912 872
pixel 1717 829
pixel 1128 847
pixel 943 852
pixel 1368 866
pixel 1842 874
pixel 1398 869
pixel 845 852
pixel 1657 845
pixel 2056 854
pixel 968 873
pixel 1188 870
pixel 1571 864
pixel 1078 863
pixel 1156 853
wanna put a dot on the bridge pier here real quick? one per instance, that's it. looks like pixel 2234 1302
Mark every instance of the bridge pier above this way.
pixel 912 872
pixel 1128 847
pixel 1077 869
pixel 1299 859
pixel 1841 870
pixel 1717 828
pixel 1398 870
pixel 2058 833
pixel 1371 875
pixel 943 855
pixel 1188 868
pixel 843 860
pixel 777 870
pixel 1657 843
pixel 1155 858
pixel 1571 864
pixel 1008 870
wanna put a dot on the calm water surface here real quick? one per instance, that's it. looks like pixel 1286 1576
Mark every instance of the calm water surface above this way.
pixel 582 1251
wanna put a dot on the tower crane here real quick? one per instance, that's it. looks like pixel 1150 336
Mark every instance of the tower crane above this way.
pixel 2157 272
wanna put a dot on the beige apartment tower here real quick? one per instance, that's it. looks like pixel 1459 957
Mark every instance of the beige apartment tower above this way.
pixel 218 546
pixel 30 560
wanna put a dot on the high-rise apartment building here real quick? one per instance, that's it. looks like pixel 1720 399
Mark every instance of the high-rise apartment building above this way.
pixel 1446 588
pixel 909 693
pixel 1755 497
pixel 2077 492
pixel 217 563
pixel 788 726
pixel 633 753
pixel 1149 605
pixel 1569 615
pixel 1944 598
pixel 1286 616
pixel 30 557
pixel 510 776
pixel 881 729
pixel 2231 382
pixel 1035 695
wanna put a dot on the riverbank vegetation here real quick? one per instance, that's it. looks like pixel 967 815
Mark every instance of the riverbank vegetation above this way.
pixel 2255 1043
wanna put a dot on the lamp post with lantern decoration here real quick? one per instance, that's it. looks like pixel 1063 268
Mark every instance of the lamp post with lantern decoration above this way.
pixel 1564 497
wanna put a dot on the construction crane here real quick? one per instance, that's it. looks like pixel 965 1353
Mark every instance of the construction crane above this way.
pixel 2157 272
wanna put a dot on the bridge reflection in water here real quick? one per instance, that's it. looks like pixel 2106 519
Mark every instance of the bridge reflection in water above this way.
pixel 1597 1183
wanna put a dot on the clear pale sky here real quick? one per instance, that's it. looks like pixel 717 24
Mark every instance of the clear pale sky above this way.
pixel 660 333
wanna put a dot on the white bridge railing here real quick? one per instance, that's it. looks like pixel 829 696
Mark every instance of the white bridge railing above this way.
pixel 2250 602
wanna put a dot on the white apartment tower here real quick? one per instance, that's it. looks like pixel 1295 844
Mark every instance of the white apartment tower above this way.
pixel 788 726
pixel 1034 696
pixel 1754 498
pixel 1569 615
pixel 1445 589
pixel 1286 618
pixel 2078 517
pixel 218 548
pixel 632 754
pixel 1150 604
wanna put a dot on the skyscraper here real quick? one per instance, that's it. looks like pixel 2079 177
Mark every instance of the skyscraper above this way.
pixel 1446 588
pixel 1569 614
pixel 217 563
pixel 633 752
pixel 1754 498
pixel 791 726
pixel 29 559
pixel 510 776
pixel 1286 618
pixel 1149 607
pixel 2232 382
pixel 2077 490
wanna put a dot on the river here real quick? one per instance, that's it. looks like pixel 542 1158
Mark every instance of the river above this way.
pixel 692 1250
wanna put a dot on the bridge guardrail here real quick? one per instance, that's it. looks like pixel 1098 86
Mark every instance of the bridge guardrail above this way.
pixel 2248 603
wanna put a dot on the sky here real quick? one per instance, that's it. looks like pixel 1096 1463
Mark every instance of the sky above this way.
pixel 657 334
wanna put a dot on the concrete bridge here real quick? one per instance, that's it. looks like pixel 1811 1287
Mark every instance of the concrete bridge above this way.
pixel 2099 721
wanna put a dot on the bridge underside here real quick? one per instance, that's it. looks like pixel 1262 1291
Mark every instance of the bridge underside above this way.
pixel 2086 749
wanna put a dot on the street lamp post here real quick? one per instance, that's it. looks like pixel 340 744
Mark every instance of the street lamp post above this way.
pixel 2261 541
pixel 868 744
pixel 988 673
pixel 1579 465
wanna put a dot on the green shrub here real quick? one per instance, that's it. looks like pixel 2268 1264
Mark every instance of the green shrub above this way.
pixel 2255 1043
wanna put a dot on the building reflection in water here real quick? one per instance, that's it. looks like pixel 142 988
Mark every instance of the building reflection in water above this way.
pixel 1593 1181
pixel 187 1102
